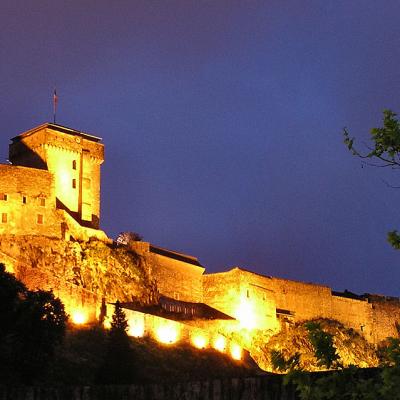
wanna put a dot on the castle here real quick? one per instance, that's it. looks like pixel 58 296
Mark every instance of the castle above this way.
pixel 51 188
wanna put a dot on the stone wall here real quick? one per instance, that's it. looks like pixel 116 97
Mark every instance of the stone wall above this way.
pixel 177 277
pixel 75 231
pixel 199 333
pixel 375 319
pixel 243 295
pixel 27 200
pixel 385 318
pixel 356 314
pixel 267 387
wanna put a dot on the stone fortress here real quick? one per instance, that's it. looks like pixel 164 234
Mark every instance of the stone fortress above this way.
pixel 50 197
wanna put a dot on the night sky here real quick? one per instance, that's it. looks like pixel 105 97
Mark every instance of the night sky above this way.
pixel 222 123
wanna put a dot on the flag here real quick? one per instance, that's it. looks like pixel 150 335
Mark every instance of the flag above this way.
pixel 55 97
pixel 55 101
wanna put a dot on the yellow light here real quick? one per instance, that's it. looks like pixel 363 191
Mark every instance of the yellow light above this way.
pixel 245 314
pixel 236 351
pixel 219 343
pixel 65 178
pixel 136 330
pixel 167 334
pixel 107 324
pixel 78 317
pixel 199 341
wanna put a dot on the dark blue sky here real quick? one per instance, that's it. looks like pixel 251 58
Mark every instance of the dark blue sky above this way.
pixel 222 124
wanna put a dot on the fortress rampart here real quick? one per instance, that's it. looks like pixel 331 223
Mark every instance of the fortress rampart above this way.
pixel 275 301
pixel 52 193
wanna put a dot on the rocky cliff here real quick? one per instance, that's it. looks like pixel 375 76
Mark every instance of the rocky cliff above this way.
pixel 351 347
pixel 91 270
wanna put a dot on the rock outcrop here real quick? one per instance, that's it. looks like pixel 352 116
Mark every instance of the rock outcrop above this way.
pixel 92 270
pixel 351 347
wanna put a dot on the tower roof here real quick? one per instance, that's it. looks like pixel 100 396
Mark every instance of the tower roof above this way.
pixel 58 128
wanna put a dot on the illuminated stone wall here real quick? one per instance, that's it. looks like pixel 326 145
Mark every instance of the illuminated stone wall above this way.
pixel 176 278
pixel 243 295
pixel 73 158
pixel 27 202
pixel 385 318
pixel 76 299
pixel 53 190
pixel 356 314
pixel 201 334
pixel 375 319
pixel 306 300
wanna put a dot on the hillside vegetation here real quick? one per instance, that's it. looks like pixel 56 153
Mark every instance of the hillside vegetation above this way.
pixel 351 347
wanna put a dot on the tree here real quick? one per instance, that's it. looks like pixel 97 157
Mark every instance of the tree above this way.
pixel 32 325
pixel 40 328
pixel 118 363
pixel 12 292
pixel 384 152
pixel 281 364
pixel 127 238
pixel 324 349
pixel 391 372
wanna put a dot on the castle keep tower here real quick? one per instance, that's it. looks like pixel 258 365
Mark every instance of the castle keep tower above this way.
pixel 73 158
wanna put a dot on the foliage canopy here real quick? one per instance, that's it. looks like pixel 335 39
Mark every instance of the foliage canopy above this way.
pixel 33 325
pixel 383 152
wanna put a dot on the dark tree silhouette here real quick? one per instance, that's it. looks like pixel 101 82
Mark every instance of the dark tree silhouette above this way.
pixel 12 292
pixel 32 325
pixel 118 366
pixel 39 330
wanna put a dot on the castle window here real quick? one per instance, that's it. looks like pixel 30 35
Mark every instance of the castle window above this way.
pixel 4 218
pixel 73 183
pixel 24 199
pixel 40 219
pixel 74 164
pixel 42 201
pixel 248 293
pixel 3 196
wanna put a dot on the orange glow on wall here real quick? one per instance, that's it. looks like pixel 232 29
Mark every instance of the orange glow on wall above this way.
pixel 136 329
pixel 236 351
pixel 200 341
pixel 107 324
pixel 79 317
pixel 219 343
pixel 167 334
pixel 245 314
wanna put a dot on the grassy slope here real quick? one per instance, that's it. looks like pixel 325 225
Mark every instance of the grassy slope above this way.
pixel 81 355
